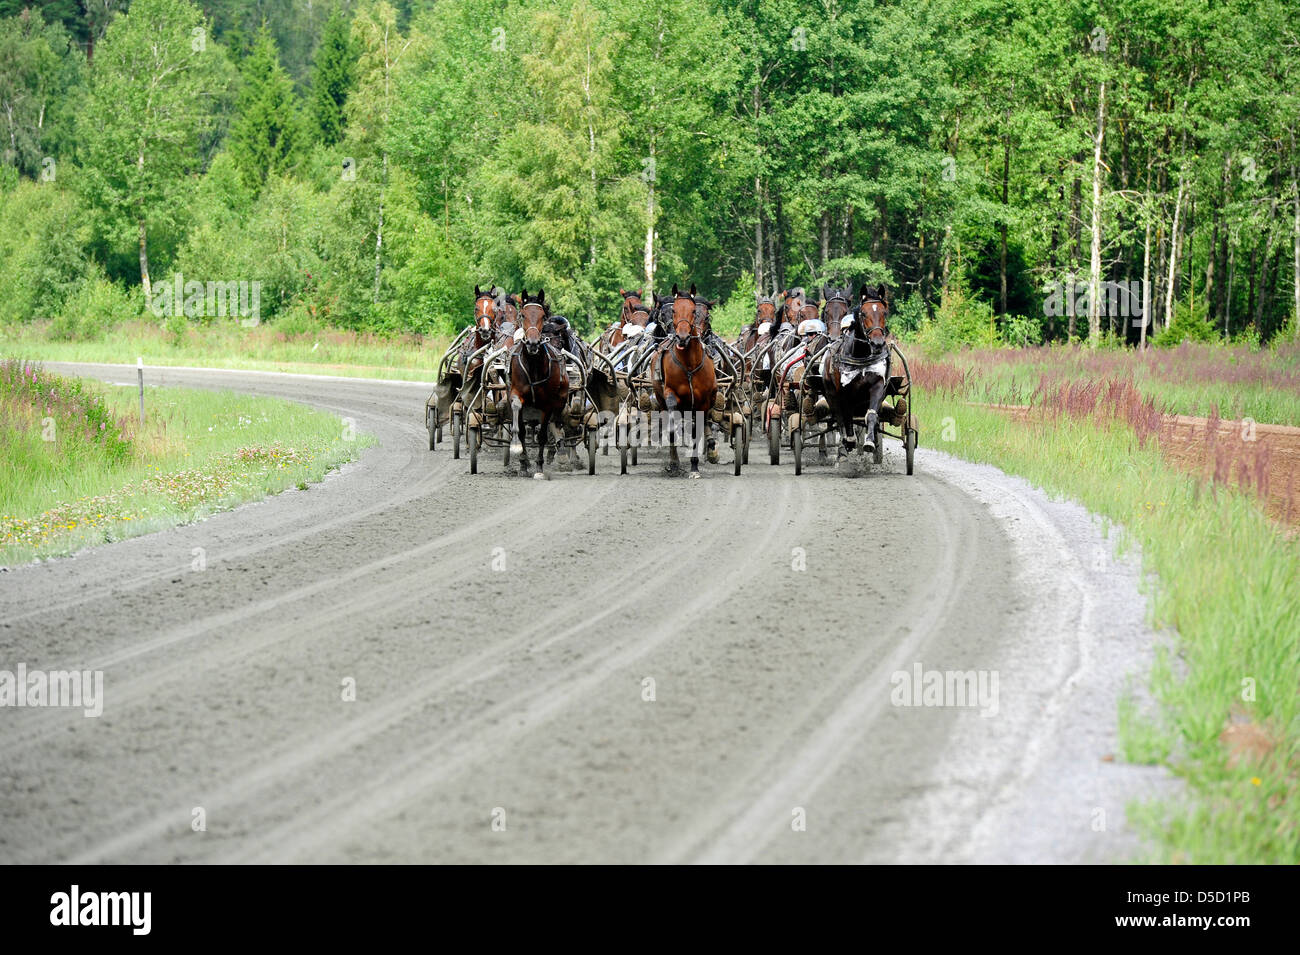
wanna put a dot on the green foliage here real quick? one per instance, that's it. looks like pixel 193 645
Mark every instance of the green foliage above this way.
pixel 332 78
pixel 737 310
pixel 1023 331
pixel 268 134
pixel 960 321
pixel 93 309
pixel 139 130
pixel 1188 326
pixel 42 256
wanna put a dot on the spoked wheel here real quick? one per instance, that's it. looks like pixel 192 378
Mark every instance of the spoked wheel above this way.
pixel 737 447
pixel 433 429
pixel 909 444
pixel 796 446
pixel 593 443
pixel 774 439
pixel 878 455
pixel 622 460
pixel 455 435
pixel 745 431
pixel 474 438
pixel 438 418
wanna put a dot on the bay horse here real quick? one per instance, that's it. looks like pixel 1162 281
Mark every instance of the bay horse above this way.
pixel 835 305
pixel 685 380
pixel 856 370
pixel 539 381
pixel 633 311
pixel 764 312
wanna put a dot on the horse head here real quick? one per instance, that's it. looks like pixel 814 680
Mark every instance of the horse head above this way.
pixel 532 315
pixel 873 315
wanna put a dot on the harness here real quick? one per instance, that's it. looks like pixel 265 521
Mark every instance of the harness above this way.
pixel 518 352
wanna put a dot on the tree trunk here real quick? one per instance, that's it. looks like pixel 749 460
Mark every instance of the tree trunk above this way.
pixel 758 231
pixel 1094 272
pixel 144 266
pixel 1002 230
pixel 1146 278
pixel 1173 254
pixel 1295 246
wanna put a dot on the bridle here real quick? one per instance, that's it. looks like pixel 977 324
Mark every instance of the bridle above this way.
pixel 849 343
pixel 532 349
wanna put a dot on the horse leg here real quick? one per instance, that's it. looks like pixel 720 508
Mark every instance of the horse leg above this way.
pixel 848 442
pixel 714 430
pixel 517 447
pixel 874 397
pixel 543 431
pixel 674 417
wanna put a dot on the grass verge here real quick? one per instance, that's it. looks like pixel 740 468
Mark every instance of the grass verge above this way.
pixel 1226 578
pixel 79 470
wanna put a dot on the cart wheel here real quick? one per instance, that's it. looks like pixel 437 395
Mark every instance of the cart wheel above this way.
pixel 745 435
pixel 622 460
pixel 455 436
pixel 909 442
pixel 737 447
pixel 438 418
pixel 879 454
pixel 474 438
pixel 593 441
pixel 774 440
pixel 433 429
pixel 796 445
pixel 634 454
pixel 506 457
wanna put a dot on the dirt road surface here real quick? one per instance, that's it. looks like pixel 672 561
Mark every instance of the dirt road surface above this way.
pixel 508 715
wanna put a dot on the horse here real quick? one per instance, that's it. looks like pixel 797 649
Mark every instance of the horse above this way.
pixel 836 304
pixel 764 313
pixel 633 312
pixel 684 378
pixel 539 381
pixel 856 370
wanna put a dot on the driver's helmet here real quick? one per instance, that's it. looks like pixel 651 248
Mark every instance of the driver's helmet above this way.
pixel 812 326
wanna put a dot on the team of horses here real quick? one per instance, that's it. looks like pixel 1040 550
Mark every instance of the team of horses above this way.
pixel 667 344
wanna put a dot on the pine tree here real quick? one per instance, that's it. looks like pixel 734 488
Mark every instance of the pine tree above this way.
pixel 267 133
pixel 333 78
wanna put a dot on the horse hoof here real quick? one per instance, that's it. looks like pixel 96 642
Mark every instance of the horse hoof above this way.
pixel 541 476
pixel 695 475
pixel 712 457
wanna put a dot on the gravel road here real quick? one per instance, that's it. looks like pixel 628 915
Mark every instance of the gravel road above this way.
pixel 503 715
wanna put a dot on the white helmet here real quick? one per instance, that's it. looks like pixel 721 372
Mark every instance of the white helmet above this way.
pixel 764 328
pixel 519 334
pixel 847 320
pixel 632 331
pixel 810 325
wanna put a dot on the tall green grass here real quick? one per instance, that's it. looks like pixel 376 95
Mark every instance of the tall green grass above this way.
pixel 1227 579
pixel 78 470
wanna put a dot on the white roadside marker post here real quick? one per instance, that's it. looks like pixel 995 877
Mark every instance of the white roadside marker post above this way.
pixel 139 367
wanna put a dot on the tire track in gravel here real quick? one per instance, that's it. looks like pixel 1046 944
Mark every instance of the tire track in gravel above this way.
pixel 453 753
pixel 303 753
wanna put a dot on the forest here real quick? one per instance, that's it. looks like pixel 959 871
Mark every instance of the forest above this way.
pixel 1001 165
